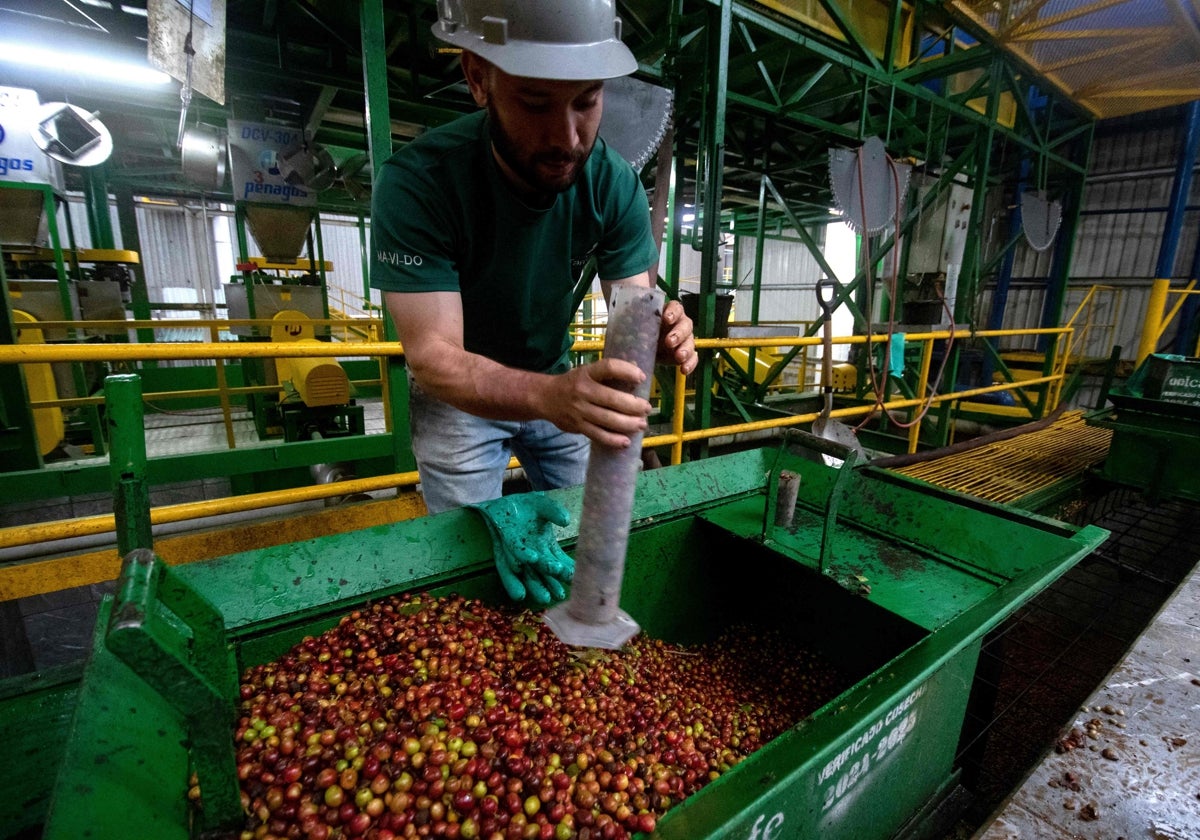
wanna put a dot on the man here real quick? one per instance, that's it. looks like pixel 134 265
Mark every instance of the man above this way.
pixel 480 230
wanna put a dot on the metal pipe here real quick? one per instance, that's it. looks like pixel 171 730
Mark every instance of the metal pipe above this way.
pixel 1154 322
pixel 851 412
pixel 102 539
pixel 785 498
pixel 592 616
pixel 26 353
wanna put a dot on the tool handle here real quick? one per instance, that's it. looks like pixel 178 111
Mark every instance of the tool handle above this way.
pixel 826 295
pixel 826 302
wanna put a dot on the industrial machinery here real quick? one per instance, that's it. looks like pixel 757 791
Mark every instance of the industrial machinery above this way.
pixel 47 278
pixel 277 175
pixel 314 398
pixel 1155 420
pixel 895 581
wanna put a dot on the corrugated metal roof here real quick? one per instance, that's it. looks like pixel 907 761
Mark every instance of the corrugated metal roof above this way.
pixel 1112 57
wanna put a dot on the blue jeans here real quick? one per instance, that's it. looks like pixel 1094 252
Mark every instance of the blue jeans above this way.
pixel 462 458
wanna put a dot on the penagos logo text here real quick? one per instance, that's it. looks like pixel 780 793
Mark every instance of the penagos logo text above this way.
pixel 284 191
pixel 8 164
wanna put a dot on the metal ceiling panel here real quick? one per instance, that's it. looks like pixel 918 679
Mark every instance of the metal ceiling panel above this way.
pixel 1112 57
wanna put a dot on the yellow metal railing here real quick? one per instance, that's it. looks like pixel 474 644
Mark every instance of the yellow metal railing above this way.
pixel 34 353
pixel 1158 317
pixel 363 330
pixel 675 438
pixel 1084 321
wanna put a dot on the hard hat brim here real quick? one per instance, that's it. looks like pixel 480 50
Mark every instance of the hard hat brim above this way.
pixel 560 62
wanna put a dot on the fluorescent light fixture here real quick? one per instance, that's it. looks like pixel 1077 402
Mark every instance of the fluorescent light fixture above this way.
pixel 104 4
pixel 113 71
pixel 688 217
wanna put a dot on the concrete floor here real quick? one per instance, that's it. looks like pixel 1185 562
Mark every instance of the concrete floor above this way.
pixel 1128 764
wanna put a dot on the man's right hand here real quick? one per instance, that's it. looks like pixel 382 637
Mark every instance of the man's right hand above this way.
pixel 593 400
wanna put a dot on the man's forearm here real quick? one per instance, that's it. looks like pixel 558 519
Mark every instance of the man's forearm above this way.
pixel 480 386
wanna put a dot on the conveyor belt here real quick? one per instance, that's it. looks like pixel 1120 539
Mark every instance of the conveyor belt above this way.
pixel 1022 466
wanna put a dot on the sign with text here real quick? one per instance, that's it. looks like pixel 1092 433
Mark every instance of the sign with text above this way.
pixel 254 157
pixel 20 158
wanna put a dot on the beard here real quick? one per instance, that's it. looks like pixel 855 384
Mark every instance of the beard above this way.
pixel 549 172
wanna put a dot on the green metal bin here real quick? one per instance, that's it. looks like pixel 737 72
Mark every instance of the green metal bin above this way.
pixel 894 580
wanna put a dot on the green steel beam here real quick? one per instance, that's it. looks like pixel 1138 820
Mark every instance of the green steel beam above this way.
pixel 1056 291
pixel 127 462
pixel 744 32
pixel 95 193
pixel 379 135
pixel 838 15
pixel 885 244
pixel 902 80
pixel 711 172
pixel 969 279
pixel 796 100
pixel 944 66
pixel 814 249
pixel 131 241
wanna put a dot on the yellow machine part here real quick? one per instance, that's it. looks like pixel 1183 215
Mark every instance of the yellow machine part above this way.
pixel 39 382
pixel 845 377
pixel 764 360
pixel 317 381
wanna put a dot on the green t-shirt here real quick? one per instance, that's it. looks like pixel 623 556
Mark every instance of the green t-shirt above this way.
pixel 443 219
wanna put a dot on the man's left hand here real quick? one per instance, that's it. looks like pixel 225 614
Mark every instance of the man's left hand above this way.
pixel 676 345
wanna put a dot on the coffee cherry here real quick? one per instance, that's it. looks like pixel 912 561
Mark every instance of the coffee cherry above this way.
pixel 424 716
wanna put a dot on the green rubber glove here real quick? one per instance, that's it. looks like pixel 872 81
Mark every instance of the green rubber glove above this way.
pixel 528 558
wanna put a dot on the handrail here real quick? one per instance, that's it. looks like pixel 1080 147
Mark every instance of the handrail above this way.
pixel 1157 319
pixel 675 438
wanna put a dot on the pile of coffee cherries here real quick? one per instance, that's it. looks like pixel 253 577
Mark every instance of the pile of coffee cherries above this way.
pixel 425 716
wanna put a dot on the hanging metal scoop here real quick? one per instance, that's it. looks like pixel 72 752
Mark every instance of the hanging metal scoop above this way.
pixel 825 426
pixel 1040 219
pixel 868 186
pixel 636 117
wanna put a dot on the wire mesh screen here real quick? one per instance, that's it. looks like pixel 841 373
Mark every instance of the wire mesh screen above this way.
pixel 1038 667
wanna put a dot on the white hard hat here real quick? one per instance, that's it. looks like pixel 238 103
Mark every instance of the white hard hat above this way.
pixel 571 40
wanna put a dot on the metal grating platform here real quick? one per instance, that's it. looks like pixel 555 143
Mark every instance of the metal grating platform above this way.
pixel 1022 466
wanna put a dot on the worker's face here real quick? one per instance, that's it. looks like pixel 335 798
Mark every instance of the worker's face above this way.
pixel 542 130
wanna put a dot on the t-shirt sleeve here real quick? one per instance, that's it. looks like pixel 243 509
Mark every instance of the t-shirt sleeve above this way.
pixel 628 244
pixel 411 234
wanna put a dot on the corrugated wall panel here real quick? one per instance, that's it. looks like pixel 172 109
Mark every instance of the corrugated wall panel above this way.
pixel 178 253
pixel 1126 307
pixel 342 247
pixel 790 274
pixel 1118 240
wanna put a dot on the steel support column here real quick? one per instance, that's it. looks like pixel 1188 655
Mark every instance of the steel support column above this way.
pixel 95 193
pixel 1184 166
pixel 127 462
pixel 379 145
pixel 712 164
pixel 1064 251
pixel 131 241
pixel 18 434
